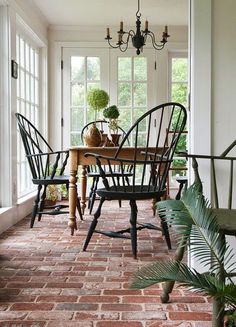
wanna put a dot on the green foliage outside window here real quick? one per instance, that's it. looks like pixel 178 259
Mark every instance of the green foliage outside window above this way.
pixel 179 89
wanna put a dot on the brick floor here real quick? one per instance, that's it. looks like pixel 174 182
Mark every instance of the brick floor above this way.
pixel 46 280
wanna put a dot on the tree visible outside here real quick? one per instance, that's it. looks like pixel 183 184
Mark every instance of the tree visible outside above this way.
pixel 179 93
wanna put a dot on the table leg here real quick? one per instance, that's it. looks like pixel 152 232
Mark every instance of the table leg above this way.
pixel 72 200
pixel 83 178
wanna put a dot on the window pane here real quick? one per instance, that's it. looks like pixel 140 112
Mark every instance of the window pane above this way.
pixel 27 87
pixel 93 86
pixel 124 69
pixel 140 69
pixel 140 94
pixel 179 69
pixel 125 119
pixel 32 86
pixel 27 56
pixel 93 68
pixel 77 118
pixel 138 112
pixel 22 84
pixel 36 64
pixel 36 92
pixel 75 139
pixel 124 95
pixel 78 95
pixel 77 69
pixel 32 61
pixel 179 93
pixel 22 53
pixel 17 48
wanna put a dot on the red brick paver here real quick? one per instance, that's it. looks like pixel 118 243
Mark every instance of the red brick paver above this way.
pixel 47 280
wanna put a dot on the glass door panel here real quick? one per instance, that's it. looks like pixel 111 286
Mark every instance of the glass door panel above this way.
pixel 83 70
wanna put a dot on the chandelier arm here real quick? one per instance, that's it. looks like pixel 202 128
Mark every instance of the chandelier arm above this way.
pixel 113 46
pixel 128 34
pixel 155 45
pixel 123 49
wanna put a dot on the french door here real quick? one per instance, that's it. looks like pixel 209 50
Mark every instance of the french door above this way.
pixel 129 80
pixel 83 69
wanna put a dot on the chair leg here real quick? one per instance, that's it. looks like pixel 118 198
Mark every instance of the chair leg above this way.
pixel 41 203
pixel 90 193
pixel 165 230
pixel 93 224
pixel 93 196
pixel 118 183
pixel 79 209
pixel 133 228
pixel 168 286
pixel 35 208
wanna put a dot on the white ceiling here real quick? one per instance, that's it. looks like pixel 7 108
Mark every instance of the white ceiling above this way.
pixel 110 12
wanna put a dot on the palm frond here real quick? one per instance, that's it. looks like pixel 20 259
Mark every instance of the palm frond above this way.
pixel 194 220
pixel 176 271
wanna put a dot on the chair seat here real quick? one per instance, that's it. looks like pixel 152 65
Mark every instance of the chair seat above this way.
pixel 63 179
pixel 131 193
pixel 227 220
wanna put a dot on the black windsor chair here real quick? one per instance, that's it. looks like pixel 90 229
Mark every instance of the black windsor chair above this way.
pixel 150 157
pixel 92 170
pixel 45 168
pixel 223 206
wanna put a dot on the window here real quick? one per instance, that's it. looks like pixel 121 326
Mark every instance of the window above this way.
pixel 132 91
pixel 179 93
pixel 83 69
pixel 27 104
pixel 85 75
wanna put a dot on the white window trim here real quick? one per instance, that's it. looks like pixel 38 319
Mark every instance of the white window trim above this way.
pixel 31 38
pixel 5 117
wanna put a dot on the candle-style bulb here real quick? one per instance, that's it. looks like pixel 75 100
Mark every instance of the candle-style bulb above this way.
pixel 108 32
pixel 121 26
pixel 146 25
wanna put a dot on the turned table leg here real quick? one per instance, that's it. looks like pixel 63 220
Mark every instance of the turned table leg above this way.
pixel 83 179
pixel 72 200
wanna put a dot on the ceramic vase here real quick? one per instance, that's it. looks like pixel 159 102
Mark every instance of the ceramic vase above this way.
pixel 93 137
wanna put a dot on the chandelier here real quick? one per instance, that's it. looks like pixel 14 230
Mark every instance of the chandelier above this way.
pixel 138 38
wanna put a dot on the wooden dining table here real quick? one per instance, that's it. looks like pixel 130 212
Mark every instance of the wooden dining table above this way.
pixel 77 158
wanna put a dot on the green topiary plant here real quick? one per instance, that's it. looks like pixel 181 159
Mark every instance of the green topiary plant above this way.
pixel 97 100
pixel 112 113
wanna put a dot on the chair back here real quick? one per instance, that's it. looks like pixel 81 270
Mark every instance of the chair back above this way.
pixel 223 180
pixel 153 147
pixel 38 152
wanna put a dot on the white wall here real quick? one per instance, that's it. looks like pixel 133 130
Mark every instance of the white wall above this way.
pixel 213 53
pixel 223 73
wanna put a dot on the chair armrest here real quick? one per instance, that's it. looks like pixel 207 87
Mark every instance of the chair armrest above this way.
pixel 203 156
pixel 47 153
pixel 47 166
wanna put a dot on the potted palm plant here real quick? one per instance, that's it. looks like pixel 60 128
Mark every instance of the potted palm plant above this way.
pixel 195 222
pixel 112 113
pixel 97 100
